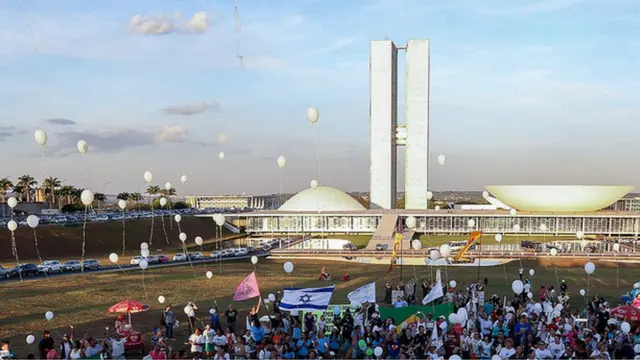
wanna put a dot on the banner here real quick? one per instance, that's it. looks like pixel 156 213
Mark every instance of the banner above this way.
pixel 363 294
pixel 247 289
pixel 435 293
pixel 307 299
pixel 396 248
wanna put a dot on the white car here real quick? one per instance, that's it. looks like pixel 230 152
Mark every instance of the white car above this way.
pixel 136 260
pixel 50 266
pixel 216 254
pixel 180 257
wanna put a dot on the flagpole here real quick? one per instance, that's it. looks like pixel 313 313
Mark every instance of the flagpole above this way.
pixel 401 258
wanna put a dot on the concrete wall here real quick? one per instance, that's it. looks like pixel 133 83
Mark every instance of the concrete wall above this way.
pixel 383 115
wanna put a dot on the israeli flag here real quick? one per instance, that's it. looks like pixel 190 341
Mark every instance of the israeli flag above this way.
pixel 309 299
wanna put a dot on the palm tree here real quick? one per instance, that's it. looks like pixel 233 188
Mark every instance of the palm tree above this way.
pixel 50 185
pixel 27 182
pixel 167 193
pixel 67 192
pixel 5 185
pixel 123 196
pixel 100 198
pixel 153 190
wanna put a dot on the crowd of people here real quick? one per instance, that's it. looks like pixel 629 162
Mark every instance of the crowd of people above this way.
pixel 537 324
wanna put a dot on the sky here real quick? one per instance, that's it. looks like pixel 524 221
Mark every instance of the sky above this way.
pixel 522 92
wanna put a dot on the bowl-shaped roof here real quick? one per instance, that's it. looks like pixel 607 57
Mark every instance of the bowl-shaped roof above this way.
pixel 323 198
pixel 558 198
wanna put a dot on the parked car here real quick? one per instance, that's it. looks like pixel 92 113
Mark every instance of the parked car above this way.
pixel 180 257
pixel 136 260
pixel 25 270
pixel 350 247
pixel 216 254
pixel 50 266
pixel 91 264
pixel 382 247
pixel 195 256
pixel 163 259
pixel 5 273
pixel 531 246
pixel 152 259
pixel 72 265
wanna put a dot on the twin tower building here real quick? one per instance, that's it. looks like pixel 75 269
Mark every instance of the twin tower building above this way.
pixel 387 134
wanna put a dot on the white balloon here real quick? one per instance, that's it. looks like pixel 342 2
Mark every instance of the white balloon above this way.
pixel 177 218
pixel 144 245
pixel 589 267
pixel 517 286
pixel 266 301
pixel 530 295
pixel 516 227
pixel 453 318
pixel 582 292
pixel 288 267
pixel 463 315
pixel 209 274
pixel 12 225
pixel 625 327
pixel 513 212
pixel 445 250
pixel 313 184
pixel 579 235
pixel 453 284
pixel 144 252
pixel 30 339
pixel 122 204
pixel 12 202
pixel 434 254
pixel 41 137
pixel 182 236
pixel 148 177
pixel 272 297
pixel 429 195
pixel 485 194
pixel 543 227
pixel 144 264
pixel 222 138
pixel 183 179
pixel 616 247
pixel 437 208
pixel 49 315
pixel 532 272
pixel 378 351
pixel 86 197
pixel 455 357
pixel 496 357
pixel 471 223
pixel 416 244
pixel 221 155
pixel 313 115
pixel 212 311
pixel 410 222
pixel 441 159
pixel 161 299
pixel 113 257
pixel 187 309
pixel 554 251
pixel 498 237
pixel 83 147
pixel 33 221
pixel 163 201
pixel 254 260
pixel 282 162
pixel 199 240
pixel 220 219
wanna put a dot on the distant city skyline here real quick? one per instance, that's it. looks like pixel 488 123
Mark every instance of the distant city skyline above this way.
pixel 536 93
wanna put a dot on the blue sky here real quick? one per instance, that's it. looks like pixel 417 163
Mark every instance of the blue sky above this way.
pixel 523 92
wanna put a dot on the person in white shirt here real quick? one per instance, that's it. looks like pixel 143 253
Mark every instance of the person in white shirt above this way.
pixel 220 340
pixel 542 352
pixel 221 355
pixel 197 341
pixel 209 334
pixel 93 348
pixel 507 351
pixel 117 347
pixel 556 347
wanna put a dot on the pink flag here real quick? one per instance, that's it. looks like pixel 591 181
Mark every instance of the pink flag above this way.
pixel 247 289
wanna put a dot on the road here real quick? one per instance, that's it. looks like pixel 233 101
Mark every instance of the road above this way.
pixel 115 268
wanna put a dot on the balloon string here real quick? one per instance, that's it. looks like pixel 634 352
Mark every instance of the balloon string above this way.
pixel 164 229
pixel 14 248
pixel 29 27
pixel 35 241
pixel 84 237
pixel 238 28
pixel 124 241
pixel 152 223
pixel 121 268
pixel 144 286
pixel 184 250
pixel 315 140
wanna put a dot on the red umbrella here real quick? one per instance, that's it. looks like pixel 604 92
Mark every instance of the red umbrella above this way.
pixel 627 312
pixel 128 307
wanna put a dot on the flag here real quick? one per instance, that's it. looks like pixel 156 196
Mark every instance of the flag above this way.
pixel 247 289
pixel 396 248
pixel 410 320
pixel 307 299
pixel 435 293
pixel 363 294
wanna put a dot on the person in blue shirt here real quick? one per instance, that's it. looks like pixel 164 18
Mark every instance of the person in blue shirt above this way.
pixel 335 340
pixel 322 344
pixel 393 350
pixel 287 352
pixel 257 331
pixel 302 347
pixel 296 332
pixel 214 319
pixel 521 330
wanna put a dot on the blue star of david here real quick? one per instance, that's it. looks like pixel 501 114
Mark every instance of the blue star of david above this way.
pixel 305 298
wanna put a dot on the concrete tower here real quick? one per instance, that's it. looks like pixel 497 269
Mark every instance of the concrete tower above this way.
pixel 386 135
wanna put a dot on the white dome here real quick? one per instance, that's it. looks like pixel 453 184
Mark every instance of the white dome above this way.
pixel 558 198
pixel 323 198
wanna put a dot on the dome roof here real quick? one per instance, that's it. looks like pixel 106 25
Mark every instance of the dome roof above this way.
pixel 323 198
pixel 558 198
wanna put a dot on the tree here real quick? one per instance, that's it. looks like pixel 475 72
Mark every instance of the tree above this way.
pixel 5 185
pixel 100 198
pixel 153 190
pixel 68 192
pixel 27 183
pixel 123 196
pixel 167 193
pixel 50 186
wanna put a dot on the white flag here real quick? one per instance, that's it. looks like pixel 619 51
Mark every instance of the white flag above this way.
pixel 435 293
pixel 363 294
pixel 308 299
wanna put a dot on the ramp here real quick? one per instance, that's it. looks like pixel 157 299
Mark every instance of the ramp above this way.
pixel 232 228
pixel 384 233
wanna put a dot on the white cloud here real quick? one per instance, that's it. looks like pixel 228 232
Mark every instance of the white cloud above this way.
pixel 172 134
pixel 190 109
pixel 161 24
pixel 199 23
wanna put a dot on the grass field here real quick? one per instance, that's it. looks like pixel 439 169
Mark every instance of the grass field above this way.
pixel 83 300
